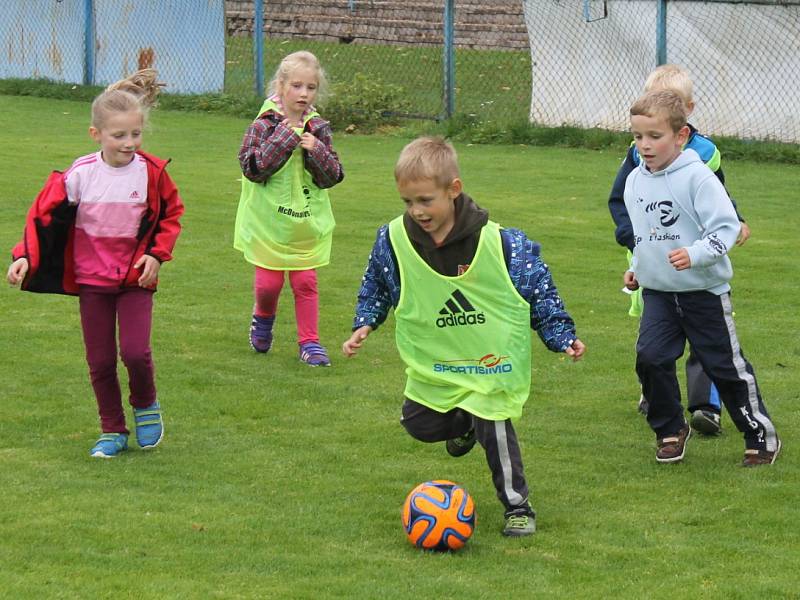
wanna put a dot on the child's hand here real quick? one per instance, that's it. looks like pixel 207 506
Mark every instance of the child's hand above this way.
pixel 350 347
pixel 17 271
pixel 576 350
pixel 307 141
pixel 680 259
pixel 150 267
pixel 744 234
pixel 630 280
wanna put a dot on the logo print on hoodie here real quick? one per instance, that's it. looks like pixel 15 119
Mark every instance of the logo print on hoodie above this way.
pixel 717 245
pixel 666 215
pixel 459 311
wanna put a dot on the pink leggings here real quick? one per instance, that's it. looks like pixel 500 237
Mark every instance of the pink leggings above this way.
pixel 101 308
pixel 268 285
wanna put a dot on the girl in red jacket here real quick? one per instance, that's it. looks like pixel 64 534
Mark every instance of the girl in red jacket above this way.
pixel 101 230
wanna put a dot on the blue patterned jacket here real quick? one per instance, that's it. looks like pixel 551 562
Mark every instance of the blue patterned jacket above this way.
pixel 380 287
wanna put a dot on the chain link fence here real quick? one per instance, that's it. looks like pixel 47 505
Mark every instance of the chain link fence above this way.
pixel 43 40
pixel 576 62
pixel 350 40
pixel 102 41
pixel 401 44
pixel 591 58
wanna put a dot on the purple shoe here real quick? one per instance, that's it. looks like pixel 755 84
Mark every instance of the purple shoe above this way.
pixel 314 355
pixel 261 333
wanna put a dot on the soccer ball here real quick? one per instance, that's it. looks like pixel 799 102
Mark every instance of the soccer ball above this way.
pixel 439 515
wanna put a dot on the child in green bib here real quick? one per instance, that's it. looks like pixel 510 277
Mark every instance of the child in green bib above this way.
pixel 466 293
pixel 284 222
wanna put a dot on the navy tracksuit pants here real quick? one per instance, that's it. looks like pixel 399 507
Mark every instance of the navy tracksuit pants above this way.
pixel 498 438
pixel 706 321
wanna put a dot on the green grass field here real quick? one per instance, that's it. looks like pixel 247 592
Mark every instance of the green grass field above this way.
pixel 278 481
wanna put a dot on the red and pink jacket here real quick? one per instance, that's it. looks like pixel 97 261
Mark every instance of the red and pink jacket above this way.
pixel 48 239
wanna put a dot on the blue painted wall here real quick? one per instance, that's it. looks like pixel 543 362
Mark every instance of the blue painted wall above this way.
pixel 183 39
pixel 42 38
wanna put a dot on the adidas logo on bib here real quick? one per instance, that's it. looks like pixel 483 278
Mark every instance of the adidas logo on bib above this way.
pixel 458 311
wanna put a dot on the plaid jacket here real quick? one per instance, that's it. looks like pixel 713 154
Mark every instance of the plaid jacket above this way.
pixel 380 288
pixel 268 144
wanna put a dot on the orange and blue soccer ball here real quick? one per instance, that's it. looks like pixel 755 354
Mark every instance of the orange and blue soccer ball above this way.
pixel 439 515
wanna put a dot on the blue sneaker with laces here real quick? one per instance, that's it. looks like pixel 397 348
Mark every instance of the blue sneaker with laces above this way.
pixel 149 426
pixel 110 445
pixel 315 355
pixel 261 333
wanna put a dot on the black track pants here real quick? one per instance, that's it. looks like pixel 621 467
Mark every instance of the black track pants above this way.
pixel 498 439
pixel 706 320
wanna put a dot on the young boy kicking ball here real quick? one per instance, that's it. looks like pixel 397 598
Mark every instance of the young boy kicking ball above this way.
pixel 466 293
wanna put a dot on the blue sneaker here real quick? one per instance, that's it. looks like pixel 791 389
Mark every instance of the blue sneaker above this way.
pixel 109 445
pixel 314 355
pixel 261 333
pixel 149 426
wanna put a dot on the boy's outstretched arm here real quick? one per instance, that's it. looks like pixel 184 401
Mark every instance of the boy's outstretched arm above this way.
pixel 353 344
pixel 531 278
pixel 380 286
pixel 379 292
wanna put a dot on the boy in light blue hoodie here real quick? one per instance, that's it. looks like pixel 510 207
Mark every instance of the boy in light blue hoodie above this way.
pixel 683 226
pixel 702 398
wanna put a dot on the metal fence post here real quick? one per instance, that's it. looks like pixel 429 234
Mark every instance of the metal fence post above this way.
pixel 88 42
pixel 258 47
pixel 661 33
pixel 449 60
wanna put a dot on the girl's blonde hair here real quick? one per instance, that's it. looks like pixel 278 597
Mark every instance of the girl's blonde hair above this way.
pixel 428 158
pixel 137 92
pixel 299 60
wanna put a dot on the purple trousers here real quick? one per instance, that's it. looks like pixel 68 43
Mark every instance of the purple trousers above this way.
pixel 101 309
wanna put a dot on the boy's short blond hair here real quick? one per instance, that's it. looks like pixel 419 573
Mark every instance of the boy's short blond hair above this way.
pixel 671 77
pixel 662 103
pixel 431 158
